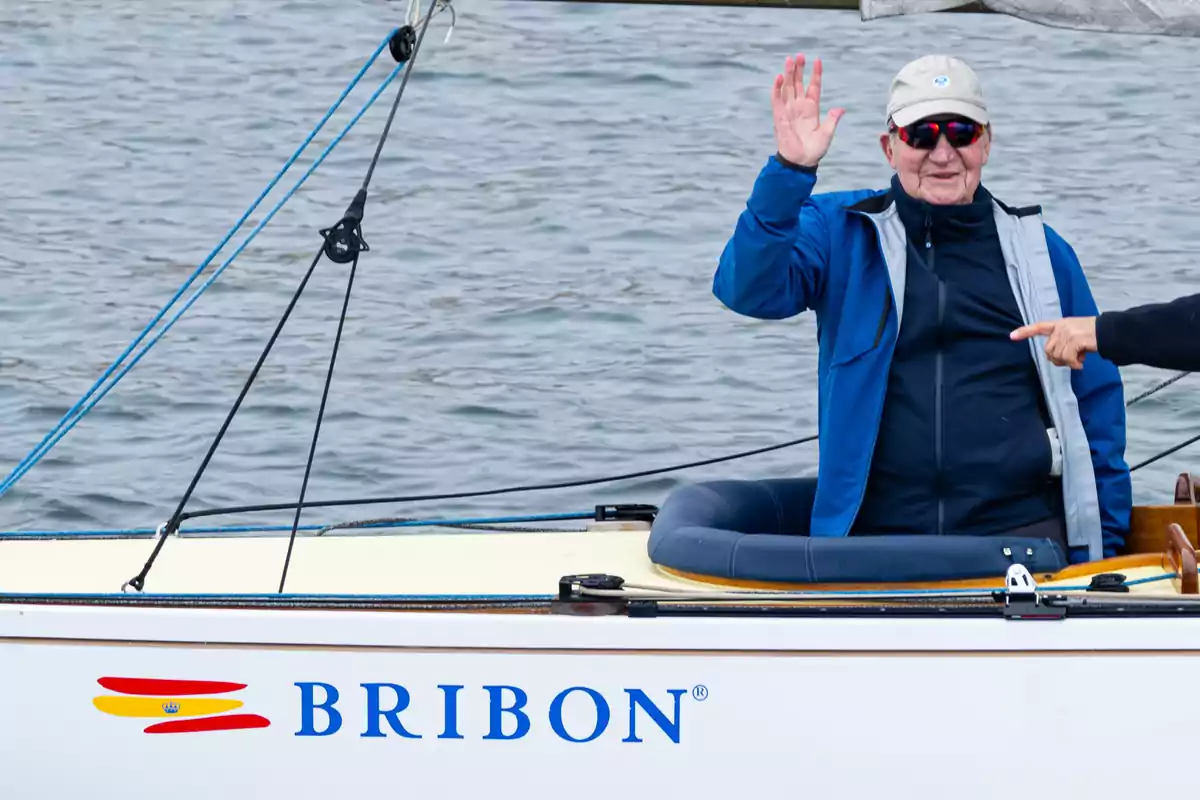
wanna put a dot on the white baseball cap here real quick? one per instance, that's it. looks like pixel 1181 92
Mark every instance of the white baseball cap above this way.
pixel 932 85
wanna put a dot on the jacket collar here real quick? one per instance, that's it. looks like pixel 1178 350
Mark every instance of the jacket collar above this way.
pixel 884 199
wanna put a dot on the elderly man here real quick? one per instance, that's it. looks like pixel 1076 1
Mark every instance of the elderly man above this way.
pixel 932 420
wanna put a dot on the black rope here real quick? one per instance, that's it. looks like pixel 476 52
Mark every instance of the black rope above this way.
pixel 312 450
pixel 1157 388
pixel 1166 453
pixel 342 244
pixel 209 512
pixel 400 49
pixel 593 481
pixel 1153 390
pixel 473 526
pixel 139 581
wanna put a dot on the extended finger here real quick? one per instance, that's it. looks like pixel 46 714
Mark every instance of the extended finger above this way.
pixel 1029 331
pixel 779 113
pixel 831 120
pixel 814 85
pixel 787 80
pixel 798 77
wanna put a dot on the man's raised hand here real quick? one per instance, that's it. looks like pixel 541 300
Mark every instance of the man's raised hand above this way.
pixel 800 134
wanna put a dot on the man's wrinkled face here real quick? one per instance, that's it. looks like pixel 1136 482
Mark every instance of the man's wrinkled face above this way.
pixel 944 174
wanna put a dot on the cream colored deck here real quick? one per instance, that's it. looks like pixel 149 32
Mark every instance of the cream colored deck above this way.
pixel 421 561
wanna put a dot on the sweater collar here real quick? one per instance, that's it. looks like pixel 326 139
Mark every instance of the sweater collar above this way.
pixel 944 222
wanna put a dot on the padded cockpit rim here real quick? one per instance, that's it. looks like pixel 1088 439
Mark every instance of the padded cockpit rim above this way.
pixel 1115 564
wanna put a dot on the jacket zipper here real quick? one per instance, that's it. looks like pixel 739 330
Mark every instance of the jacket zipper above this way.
pixel 887 306
pixel 937 407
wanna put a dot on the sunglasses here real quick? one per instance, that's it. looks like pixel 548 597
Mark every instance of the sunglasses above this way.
pixel 924 134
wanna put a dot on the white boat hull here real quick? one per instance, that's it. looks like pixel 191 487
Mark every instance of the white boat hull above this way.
pixel 845 708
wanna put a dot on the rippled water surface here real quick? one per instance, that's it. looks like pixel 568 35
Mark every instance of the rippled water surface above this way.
pixel 544 224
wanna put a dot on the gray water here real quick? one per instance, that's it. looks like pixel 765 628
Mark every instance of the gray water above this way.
pixel 544 224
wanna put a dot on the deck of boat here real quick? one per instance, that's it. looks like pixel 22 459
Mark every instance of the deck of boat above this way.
pixel 420 561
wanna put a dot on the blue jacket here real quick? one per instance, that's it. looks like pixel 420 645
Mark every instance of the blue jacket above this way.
pixel 792 251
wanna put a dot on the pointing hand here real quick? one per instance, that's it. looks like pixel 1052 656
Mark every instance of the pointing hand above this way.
pixel 1070 341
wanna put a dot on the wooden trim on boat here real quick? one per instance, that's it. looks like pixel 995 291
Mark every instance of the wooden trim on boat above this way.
pixel 1148 527
pixel 1155 558
pixel 1187 489
pixel 1182 559
pixel 1148 524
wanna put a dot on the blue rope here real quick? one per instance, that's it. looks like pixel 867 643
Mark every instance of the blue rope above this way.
pixel 54 438
pixel 129 533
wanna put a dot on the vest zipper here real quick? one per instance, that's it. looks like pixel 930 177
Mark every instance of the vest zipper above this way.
pixel 937 407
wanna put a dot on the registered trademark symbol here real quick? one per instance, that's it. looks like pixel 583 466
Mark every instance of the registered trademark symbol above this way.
pixel 700 692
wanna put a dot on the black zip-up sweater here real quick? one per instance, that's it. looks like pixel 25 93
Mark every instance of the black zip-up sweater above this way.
pixel 962 445
pixel 1165 335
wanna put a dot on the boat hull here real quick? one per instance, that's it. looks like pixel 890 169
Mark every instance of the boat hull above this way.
pixel 535 705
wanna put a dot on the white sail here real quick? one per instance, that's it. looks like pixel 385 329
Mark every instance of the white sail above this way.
pixel 1163 17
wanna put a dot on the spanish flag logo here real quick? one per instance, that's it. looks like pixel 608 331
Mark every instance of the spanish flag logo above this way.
pixel 188 705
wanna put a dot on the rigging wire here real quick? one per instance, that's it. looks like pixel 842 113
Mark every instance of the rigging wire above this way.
pixel 409 54
pixel 1151 391
pixel 139 580
pixel 1166 453
pixel 341 244
pixel 79 410
pixel 337 340
pixel 397 40
pixel 208 512
pixel 506 524
pixel 605 479
pixel 1157 388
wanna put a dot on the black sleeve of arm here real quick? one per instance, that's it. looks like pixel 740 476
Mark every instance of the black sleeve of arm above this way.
pixel 1165 335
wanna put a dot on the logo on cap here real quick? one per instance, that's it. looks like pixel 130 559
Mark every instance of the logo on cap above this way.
pixel 941 81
